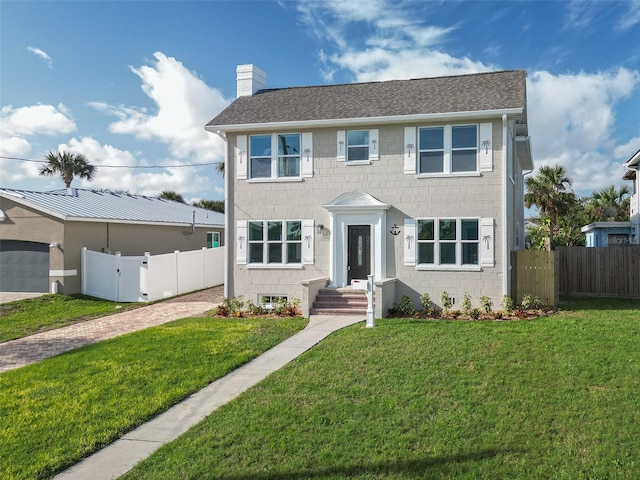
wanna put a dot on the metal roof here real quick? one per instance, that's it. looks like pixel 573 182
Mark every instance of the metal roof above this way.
pixel 493 91
pixel 77 204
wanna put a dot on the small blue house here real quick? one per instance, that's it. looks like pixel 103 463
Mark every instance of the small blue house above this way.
pixel 607 234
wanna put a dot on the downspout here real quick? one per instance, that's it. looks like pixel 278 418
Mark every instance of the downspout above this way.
pixel 227 206
pixel 506 263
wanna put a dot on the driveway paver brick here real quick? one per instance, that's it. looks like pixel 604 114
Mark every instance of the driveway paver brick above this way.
pixel 24 351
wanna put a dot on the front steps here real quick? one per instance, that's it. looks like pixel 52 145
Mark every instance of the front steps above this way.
pixel 340 301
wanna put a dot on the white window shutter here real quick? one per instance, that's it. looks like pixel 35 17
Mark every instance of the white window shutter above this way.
pixel 410 246
pixel 306 157
pixel 242 158
pixel 487 243
pixel 410 150
pixel 485 154
pixel 308 242
pixel 374 145
pixel 341 145
pixel 241 242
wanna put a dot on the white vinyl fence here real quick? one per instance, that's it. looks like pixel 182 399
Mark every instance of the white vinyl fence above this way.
pixel 147 278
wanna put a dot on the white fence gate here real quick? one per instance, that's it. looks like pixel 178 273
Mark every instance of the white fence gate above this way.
pixel 148 278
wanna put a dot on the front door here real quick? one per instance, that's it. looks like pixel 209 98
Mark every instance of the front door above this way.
pixel 359 252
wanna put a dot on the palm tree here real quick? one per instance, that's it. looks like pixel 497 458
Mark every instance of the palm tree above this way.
pixel 610 203
pixel 220 168
pixel 215 205
pixel 68 165
pixel 550 191
pixel 171 195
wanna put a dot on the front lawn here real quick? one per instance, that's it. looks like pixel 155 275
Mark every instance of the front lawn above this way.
pixel 33 315
pixel 58 411
pixel 556 397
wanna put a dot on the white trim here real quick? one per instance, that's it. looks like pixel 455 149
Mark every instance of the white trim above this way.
pixel 63 273
pixel 274 266
pixel 241 155
pixel 275 180
pixel 449 175
pixel 506 267
pixel 448 268
pixel 362 121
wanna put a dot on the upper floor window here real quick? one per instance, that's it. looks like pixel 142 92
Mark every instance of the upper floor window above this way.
pixel 448 149
pixel 448 241
pixel 274 156
pixel 357 145
pixel 275 242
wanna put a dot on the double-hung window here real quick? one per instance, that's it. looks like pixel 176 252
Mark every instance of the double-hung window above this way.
pixel 274 156
pixel 448 241
pixel 357 145
pixel 275 242
pixel 448 149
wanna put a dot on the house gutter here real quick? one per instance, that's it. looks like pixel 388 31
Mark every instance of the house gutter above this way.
pixel 227 206
pixel 506 264
pixel 347 122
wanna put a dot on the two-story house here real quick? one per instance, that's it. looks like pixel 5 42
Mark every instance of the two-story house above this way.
pixel 416 182
pixel 631 173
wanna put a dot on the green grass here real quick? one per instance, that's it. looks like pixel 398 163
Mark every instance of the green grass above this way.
pixel 26 317
pixel 55 412
pixel 557 397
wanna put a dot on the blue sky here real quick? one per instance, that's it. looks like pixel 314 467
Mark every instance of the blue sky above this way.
pixel 133 83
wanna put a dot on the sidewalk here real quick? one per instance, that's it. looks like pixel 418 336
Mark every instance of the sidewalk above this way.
pixel 27 350
pixel 122 455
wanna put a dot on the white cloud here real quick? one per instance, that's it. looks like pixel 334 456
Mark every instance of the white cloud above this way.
pixel 571 119
pixel 17 125
pixel 42 54
pixel 631 17
pixel 143 181
pixel 626 151
pixel 184 105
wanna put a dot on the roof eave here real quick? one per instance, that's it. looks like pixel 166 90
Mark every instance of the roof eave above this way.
pixel 23 201
pixel 523 146
pixel 141 222
pixel 383 120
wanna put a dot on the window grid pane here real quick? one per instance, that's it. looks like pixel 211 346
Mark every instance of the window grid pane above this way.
pixel 464 148
pixel 357 145
pixel 260 156
pixel 431 150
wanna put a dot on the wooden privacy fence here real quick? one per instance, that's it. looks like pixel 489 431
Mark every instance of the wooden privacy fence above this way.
pixel 599 271
pixel 533 272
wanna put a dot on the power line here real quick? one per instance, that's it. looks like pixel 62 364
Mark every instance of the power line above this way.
pixel 120 166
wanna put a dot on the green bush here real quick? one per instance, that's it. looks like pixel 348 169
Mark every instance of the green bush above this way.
pixel 445 301
pixel 507 305
pixel 466 303
pixel 486 303
pixel 425 301
pixel 403 307
pixel 475 313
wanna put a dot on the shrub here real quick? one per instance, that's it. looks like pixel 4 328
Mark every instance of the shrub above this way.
pixel 425 301
pixel 507 304
pixel 475 313
pixel 526 302
pixel 455 313
pixel 255 310
pixel 537 303
pixel 445 301
pixel 230 307
pixel 486 303
pixel 466 303
pixel 497 315
pixel 403 307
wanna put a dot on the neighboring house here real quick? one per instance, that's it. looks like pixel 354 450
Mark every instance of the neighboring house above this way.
pixel 606 234
pixel 631 173
pixel 42 233
pixel 416 182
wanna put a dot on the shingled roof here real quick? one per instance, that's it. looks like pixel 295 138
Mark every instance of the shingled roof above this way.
pixel 494 91
pixel 77 204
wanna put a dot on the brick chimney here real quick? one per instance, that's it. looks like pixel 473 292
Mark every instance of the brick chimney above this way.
pixel 249 79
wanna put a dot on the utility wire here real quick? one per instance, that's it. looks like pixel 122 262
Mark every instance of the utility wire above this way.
pixel 120 166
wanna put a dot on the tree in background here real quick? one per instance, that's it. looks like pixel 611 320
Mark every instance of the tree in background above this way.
pixel 171 195
pixel 215 205
pixel 610 204
pixel 68 165
pixel 550 191
pixel 220 168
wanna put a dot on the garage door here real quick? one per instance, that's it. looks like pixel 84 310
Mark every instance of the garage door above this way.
pixel 24 266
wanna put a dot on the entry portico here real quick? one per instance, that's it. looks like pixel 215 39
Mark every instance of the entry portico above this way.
pixel 353 209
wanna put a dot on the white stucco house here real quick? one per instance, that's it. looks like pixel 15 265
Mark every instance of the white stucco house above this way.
pixel 418 183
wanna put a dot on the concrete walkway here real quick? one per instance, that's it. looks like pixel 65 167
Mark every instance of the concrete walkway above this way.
pixel 122 455
pixel 27 350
